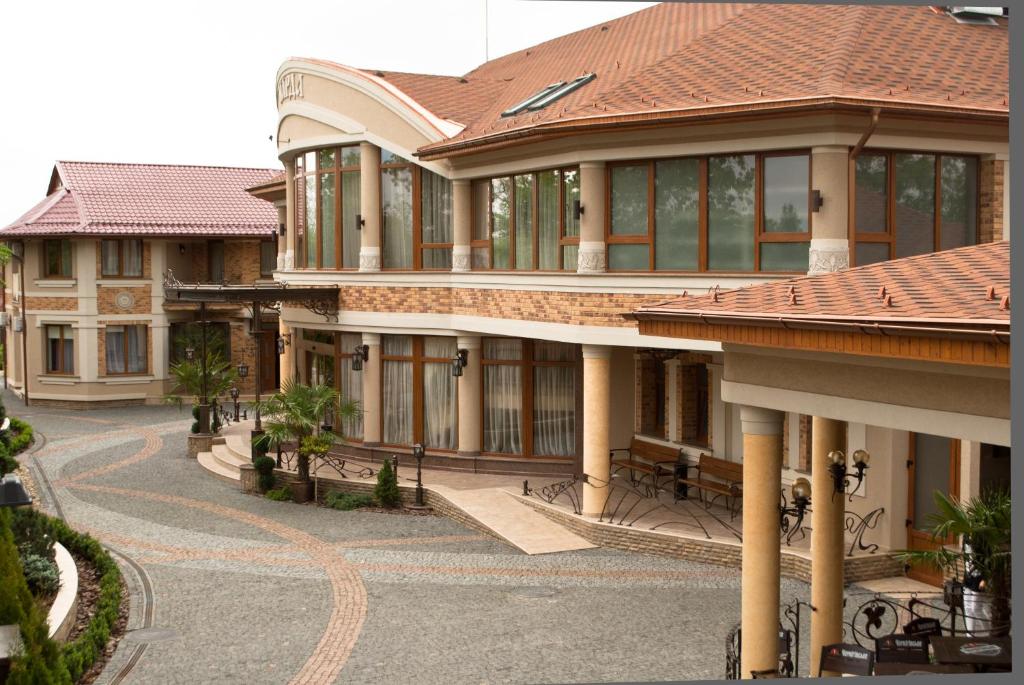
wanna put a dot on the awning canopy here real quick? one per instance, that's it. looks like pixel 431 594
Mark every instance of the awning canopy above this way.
pixel 322 299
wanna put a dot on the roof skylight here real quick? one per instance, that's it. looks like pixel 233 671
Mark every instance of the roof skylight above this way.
pixel 548 95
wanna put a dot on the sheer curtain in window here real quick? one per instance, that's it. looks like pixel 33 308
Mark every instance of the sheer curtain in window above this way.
pixel 554 401
pixel 349 231
pixel 109 257
pixel 503 397
pixel 135 348
pixel 351 387
pixel 396 203
pixel 133 258
pixel 440 400
pixel 436 217
pixel 397 400
pixel 115 349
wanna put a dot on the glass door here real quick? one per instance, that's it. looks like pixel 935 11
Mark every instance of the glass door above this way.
pixel 934 464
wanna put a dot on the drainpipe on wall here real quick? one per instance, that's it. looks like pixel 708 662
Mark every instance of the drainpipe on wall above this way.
pixel 24 320
pixel 875 112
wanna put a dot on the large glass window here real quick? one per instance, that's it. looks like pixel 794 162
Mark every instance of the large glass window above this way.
pixel 910 203
pixel 57 258
pixel 327 203
pixel 60 349
pixel 125 349
pixel 121 258
pixel 268 257
pixel 440 394
pixel 420 394
pixel 435 220
pixel 396 201
pixel 526 222
pixel 677 214
pixel 397 409
pixel 529 390
pixel 731 216
pixel 215 260
pixel 350 385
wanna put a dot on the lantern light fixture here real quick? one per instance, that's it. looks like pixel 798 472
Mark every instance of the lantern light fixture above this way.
pixel 791 518
pixel 840 475
pixel 360 354
pixel 243 370
pixel 459 362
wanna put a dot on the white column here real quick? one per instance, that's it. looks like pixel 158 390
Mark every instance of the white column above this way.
pixel 369 207
pixel 830 244
pixel 470 397
pixel 286 261
pixel 371 391
pixel 592 202
pixel 462 225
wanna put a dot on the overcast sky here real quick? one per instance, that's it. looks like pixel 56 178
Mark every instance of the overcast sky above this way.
pixel 193 82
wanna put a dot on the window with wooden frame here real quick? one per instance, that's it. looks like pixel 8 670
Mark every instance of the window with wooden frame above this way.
pixel 527 222
pixel 416 216
pixel 60 349
pixel 57 258
pixel 419 394
pixel 268 258
pixel 121 258
pixel 350 384
pixel 529 396
pixel 910 203
pixel 215 261
pixel 741 213
pixel 126 350
pixel 326 207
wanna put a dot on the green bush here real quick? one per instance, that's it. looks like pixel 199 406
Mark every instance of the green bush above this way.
pixel 22 435
pixel 282 494
pixel 265 469
pixel 8 464
pixel 347 501
pixel 386 491
pixel 41 574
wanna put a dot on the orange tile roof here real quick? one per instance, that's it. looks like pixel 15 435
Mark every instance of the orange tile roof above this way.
pixel 683 59
pixel 95 198
pixel 967 287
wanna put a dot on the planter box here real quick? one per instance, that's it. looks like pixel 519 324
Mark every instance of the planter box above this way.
pixel 302 492
pixel 199 442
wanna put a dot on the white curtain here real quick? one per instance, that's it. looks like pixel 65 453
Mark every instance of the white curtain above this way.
pixel 133 258
pixel 503 397
pixel 109 257
pixel 396 205
pixel 351 387
pixel 397 400
pixel 440 398
pixel 554 411
pixel 115 349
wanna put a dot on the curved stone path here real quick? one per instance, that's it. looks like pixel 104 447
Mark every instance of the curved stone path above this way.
pixel 231 588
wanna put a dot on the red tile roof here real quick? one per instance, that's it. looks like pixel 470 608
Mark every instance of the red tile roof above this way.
pixel 150 199
pixel 683 59
pixel 968 287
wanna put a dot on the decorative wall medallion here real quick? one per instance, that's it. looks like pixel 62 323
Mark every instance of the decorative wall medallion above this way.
pixel 124 300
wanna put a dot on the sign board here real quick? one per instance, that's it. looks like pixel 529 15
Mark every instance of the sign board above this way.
pixel 904 649
pixel 847 658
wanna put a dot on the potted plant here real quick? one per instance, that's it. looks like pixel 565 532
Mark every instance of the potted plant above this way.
pixel 295 414
pixel 983 558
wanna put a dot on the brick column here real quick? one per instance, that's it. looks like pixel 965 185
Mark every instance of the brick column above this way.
pixel 596 403
pixel 992 208
pixel 371 391
pixel 369 206
pixel 462 220
pixel 830 244
pixel 760 575
pixel 826 539
pixel 470 398
pixel 286 252
pixel 592 201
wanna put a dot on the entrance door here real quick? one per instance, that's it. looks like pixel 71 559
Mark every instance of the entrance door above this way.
pixel 934 464
pixel 268 361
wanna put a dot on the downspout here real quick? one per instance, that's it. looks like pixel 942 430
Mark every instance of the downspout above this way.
pixel 875 112
pixel 24 326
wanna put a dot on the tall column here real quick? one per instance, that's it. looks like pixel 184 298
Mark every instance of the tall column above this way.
pixel 592 201
pixel 470 398
pixel 596 397
pixel 762 477
pixel 287 360
pixel 371 391
pixel 462 225
pixel 286 252
pixel 369 207
pixel 826 539
pixel 830 243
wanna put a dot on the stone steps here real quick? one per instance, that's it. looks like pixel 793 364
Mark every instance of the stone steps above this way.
pixel 209 462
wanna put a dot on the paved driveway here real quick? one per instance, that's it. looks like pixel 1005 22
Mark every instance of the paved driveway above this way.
pixel 231 588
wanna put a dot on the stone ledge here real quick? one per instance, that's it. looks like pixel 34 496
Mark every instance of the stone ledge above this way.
pixel 61 617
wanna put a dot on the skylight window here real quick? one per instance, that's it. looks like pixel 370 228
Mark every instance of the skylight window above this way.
pixel 548 95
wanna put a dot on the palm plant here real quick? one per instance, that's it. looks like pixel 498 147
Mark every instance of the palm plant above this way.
pixel 296 414
pixel 983 526
pixel 188 375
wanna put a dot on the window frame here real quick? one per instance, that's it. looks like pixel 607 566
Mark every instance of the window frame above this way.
pixel 210 259
pixel 146 363
pixel 60 355
pixel 888 235
pixel 120 258
pixel 703 219
pixel 418 360
pixel 301 173
pixel 262 244
pixel 563 239
pixel 47 243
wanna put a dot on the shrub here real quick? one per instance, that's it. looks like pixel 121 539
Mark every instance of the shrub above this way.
pixel 33 534
pixel 386 491
pixel 41 574
pixel 265 469
pixel 22 435
pixel 347 501
pixel 280 495
pixel 8 464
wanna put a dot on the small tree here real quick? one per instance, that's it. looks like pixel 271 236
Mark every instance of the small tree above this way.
pixel 386 492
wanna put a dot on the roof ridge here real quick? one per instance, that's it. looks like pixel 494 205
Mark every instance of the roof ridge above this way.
pixel 838 61
pixel 170 165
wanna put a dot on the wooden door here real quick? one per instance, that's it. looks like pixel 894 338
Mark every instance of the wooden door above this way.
pixel 268 361
pixel 934 464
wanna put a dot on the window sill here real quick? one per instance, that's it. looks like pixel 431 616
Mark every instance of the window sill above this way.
pixel 55 282
pixel 58 379
pixel 123 379
pixel 123 280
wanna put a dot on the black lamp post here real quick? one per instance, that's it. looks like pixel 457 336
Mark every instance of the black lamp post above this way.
pixel 838 469
pixel 418 453
pixel 234 398
pixel 801 492
pixel 13 493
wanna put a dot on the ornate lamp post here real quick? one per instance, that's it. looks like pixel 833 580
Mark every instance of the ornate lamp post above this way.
pixel 838 468
pixel 418 453
pixel 234 398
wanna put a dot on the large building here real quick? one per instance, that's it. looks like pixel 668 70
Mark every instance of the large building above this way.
pixel 84 293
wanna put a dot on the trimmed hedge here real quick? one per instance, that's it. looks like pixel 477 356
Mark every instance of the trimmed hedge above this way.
pixel 15 440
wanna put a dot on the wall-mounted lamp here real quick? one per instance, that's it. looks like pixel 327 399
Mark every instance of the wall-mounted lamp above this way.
pixel 816 200
pixel 282 341
pixel 801 492
pixel 360 222
pixel 577 210
pixel 281 229
pixel 837 466
pixel 243 370
pixel 190 353
pixel 459 362
pixel 360 354
pixel 181 248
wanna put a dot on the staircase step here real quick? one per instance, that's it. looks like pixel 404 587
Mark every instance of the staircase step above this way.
pixel 210 463
pixel 228 459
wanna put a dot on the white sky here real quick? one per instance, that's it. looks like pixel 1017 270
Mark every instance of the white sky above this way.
pixel 193 82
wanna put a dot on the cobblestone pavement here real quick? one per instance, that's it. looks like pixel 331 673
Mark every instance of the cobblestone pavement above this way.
pixel 231 588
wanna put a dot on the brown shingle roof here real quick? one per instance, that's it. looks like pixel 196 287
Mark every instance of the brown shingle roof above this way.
pixel 962 287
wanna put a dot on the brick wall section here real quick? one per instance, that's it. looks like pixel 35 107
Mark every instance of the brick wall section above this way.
pixel 687 402
pixel 241 261
pixel 990 201
pixel 101 347
pixel 583 309
pixel 200 263
pixel 53 304
pixel 106 299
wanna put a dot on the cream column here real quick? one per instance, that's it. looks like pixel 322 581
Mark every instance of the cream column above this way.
pixel 286 252
pixel 596 403
pixel 762 477
pixel 87 363
pixel 371 391
pixel 160 328
pixel 369 207
pixel 592 201
pixel 830 244
pixel 470 398
pixel 826 539
pixel 462 219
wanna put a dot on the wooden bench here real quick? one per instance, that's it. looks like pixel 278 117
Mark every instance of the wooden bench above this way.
pixel 718 476
pixel 646 458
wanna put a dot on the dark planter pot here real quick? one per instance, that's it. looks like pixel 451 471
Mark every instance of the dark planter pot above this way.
pixel 301 491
